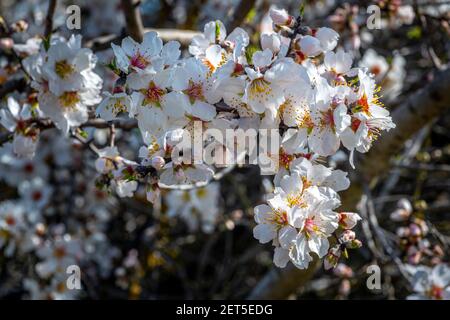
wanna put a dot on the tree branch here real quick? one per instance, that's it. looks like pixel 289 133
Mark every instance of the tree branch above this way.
pixel 49 18
pixel 11 86
pixel 133 19
pixel 412 115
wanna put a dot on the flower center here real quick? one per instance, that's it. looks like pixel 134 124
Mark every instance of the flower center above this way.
pixel 310 226
pixel 69 99
pixel 201 193
pixel 306 183
pixel 63 69
pixel 194 91
pixel 139 61
pixel 299 56
pixel 305 121
pixel 259 86
pixel 238 70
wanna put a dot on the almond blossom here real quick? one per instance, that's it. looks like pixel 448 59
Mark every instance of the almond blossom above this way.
pixel 133 56
pixel 66 82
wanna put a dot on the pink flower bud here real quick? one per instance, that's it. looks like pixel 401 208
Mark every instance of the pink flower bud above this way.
pixel 179 175
pixel 354 244
pixel 347 220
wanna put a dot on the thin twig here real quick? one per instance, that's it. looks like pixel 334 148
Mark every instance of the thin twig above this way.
pixel 49 19
pixel 133 19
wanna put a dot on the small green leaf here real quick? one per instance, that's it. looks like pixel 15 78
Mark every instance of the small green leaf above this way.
pixel 249 51
pixel 84 134
pixel 345 253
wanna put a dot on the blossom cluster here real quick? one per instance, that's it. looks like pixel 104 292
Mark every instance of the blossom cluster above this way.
pixel 65 81
pixel 300 83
